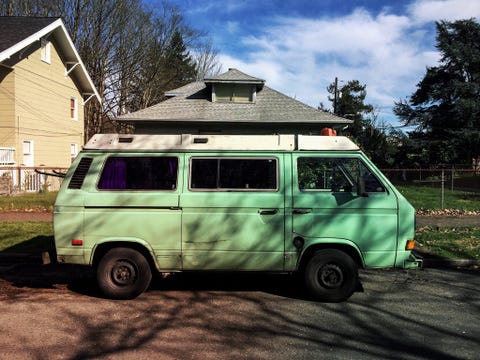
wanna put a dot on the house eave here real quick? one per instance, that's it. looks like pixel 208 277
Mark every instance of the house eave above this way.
pixel 58 30
pixel 339 121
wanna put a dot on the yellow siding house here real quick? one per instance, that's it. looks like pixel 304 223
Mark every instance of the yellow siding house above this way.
pixel 44 87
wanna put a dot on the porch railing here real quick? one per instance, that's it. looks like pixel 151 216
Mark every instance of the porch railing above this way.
pixel 18 179
pixel 7 156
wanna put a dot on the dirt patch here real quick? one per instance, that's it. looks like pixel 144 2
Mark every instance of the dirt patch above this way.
pixel 24 216
pixel 448 221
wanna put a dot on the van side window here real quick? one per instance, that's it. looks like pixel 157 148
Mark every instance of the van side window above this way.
pixel 335 175
pixel 139 173
pixel 239 174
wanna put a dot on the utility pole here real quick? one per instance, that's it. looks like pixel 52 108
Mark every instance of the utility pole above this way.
pixel 335 96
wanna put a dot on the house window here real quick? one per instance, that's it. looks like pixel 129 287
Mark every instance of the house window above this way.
pixel 45 51
pixel 73 108
pixel 28 152
pixel 234 93
pixel 73 151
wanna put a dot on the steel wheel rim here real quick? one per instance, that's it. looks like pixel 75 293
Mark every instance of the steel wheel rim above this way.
pixel 330 276
pixel 124 273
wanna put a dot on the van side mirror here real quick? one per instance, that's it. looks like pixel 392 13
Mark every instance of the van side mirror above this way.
pixel 361 187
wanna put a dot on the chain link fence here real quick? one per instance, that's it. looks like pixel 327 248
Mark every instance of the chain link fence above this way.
pixel 444 180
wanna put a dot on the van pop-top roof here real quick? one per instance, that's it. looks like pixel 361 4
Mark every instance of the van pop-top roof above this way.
pixel 219 142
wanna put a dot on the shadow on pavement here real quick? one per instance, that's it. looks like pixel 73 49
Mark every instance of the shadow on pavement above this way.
pixel 81 280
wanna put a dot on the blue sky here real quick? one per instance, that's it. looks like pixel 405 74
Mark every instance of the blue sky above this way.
pixel 300 46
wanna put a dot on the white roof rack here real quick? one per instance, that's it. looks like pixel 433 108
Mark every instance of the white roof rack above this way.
pixel 218 142
pixel 315 142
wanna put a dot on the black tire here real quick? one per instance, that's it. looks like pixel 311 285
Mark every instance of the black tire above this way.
pixel 123 273
pixel 331 275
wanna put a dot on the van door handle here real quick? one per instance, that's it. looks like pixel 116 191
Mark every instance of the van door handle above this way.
pixel 267 211
pixel 302 211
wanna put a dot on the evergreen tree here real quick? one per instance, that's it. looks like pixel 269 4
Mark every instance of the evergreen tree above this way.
pixel 349 102
pixel 178 62
pixel 446 105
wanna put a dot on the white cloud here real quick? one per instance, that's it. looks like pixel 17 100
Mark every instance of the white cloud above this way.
pixel 388 52
pixel 423 11
pixel 301 57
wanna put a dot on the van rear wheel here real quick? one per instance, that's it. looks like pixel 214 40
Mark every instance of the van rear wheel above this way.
pixel 331 275
pixel 123 273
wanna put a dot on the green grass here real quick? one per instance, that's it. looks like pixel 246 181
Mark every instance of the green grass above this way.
pixel 456 243
pixel 26 237
pixel 36 201
pixel 423 197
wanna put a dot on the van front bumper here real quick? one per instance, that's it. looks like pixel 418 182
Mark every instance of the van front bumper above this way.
pixel 413 261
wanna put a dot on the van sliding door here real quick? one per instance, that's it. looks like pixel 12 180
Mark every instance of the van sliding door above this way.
pixel 233 213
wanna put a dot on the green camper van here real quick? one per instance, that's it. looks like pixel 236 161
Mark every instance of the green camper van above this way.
pixel 133 205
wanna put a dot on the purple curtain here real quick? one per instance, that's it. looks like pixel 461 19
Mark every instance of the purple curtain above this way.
pixel 114 176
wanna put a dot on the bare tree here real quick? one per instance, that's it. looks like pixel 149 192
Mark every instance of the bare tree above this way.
pixel 205 58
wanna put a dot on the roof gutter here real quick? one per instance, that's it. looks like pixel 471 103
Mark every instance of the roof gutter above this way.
pixel 6 66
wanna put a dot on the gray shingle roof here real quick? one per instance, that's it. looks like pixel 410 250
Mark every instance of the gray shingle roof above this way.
pixel 14 29
pixel 192 102
pixel 234 76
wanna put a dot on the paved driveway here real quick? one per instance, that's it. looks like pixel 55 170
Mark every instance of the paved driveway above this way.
pixel 414 314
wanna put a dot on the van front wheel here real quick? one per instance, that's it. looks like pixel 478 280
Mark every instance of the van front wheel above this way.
pixel 123 273
pixel 331 275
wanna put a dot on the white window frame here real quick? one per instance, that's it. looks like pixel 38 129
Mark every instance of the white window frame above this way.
pixel 75 108
pixel 45 51
pixel 73 151
pixel 28 150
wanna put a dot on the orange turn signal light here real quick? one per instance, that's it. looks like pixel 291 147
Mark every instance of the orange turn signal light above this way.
pixel 77 242
pixel 410 244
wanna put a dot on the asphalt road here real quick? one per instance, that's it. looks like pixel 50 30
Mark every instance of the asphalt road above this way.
pixel 414 314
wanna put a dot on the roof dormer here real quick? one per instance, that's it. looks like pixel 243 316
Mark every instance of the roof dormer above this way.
pixel 235 87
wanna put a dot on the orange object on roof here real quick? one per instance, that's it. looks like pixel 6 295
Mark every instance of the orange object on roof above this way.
pixel 328 132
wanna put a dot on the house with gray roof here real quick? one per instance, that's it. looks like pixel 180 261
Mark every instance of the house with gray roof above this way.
pixel 230 103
